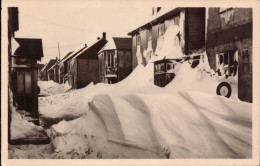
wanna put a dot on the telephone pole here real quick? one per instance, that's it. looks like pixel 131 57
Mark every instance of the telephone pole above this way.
pixel 59 50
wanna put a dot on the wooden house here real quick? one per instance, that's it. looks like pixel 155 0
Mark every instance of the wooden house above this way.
pixel 53 72
pixel 39 67
pixel 46 67
pixel 83 67
pixel 229 45
pixel 115 60
pixel 192 29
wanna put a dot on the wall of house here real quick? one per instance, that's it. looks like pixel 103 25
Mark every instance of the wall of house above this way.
pixel 194 29
pixel 124 64
pixel 232 31
pixel 101 66
pixel 194 35
pixel 87 72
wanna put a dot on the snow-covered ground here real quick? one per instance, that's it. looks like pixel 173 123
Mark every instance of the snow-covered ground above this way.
pixel 136 119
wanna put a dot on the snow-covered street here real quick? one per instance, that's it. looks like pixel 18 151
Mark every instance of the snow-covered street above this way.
pixel 136 119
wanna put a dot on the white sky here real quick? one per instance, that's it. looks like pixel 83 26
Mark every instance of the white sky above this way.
pixel 73 27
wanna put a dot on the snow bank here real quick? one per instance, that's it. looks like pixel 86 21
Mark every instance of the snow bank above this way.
pixel 51 87
pixel 21 128
pixel 186 119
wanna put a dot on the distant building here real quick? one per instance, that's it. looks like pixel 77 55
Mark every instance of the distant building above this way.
pixel 39 66
pixel 229 45
pixel 115 60
pixel 83 67
pixel 63 67
pixel 53 72
pixel 46 67
pixel 192 30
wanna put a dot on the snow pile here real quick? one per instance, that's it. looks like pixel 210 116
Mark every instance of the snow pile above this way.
pixel 179 121
pixel 21 128
pixel 51 87
pixel 136 119
pixel 171 44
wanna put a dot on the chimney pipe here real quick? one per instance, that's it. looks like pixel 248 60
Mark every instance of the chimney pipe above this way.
pixel 104 35
pixel 86 45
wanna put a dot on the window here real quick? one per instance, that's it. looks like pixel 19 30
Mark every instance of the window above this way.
pixel 24 82
pixel 195 61
pixel 161 29
pixel 169 66
pixel 162 67
pixel 226 63
pixel 138 39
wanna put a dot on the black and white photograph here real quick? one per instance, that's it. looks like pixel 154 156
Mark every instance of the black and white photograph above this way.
pixel 160 82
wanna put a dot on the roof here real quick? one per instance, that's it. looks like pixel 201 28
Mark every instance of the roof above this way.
pixel 167 60
pixel 119 43
pixel 66 56
pixel 40 66
pixel 164 14
pixel 72 55
pixel 123 43
pixel 91 52
pixel 29 48
pixel 49 64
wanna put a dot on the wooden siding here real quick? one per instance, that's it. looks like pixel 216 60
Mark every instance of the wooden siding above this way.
pixel 194 29
pixel 87 72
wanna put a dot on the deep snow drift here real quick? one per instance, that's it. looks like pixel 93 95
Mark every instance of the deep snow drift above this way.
pixel 52 88
pixel 136 119
pixel 20 128
pixel 181 120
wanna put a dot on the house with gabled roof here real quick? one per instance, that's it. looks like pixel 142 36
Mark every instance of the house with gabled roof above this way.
pixel 46 67
pixel 115 60
pixel 83 67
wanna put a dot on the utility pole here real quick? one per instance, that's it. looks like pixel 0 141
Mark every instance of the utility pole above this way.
pixel 59 50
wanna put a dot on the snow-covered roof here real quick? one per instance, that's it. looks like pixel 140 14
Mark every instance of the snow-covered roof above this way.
pixel 119 43
pixel 96 47
pixel 163 14
pixel 49 64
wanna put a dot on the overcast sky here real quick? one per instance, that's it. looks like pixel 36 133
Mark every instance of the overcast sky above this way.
pixel 75 27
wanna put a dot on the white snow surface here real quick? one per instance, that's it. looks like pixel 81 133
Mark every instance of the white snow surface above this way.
pixel 186 119
pixel 52 88
pixel 20 128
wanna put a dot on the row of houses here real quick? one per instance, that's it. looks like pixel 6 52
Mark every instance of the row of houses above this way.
pixel 109 60
pixel 224 33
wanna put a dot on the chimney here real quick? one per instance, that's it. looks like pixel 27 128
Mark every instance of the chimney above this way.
pixel 98 38
pixel 104 35
pixel 86 45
